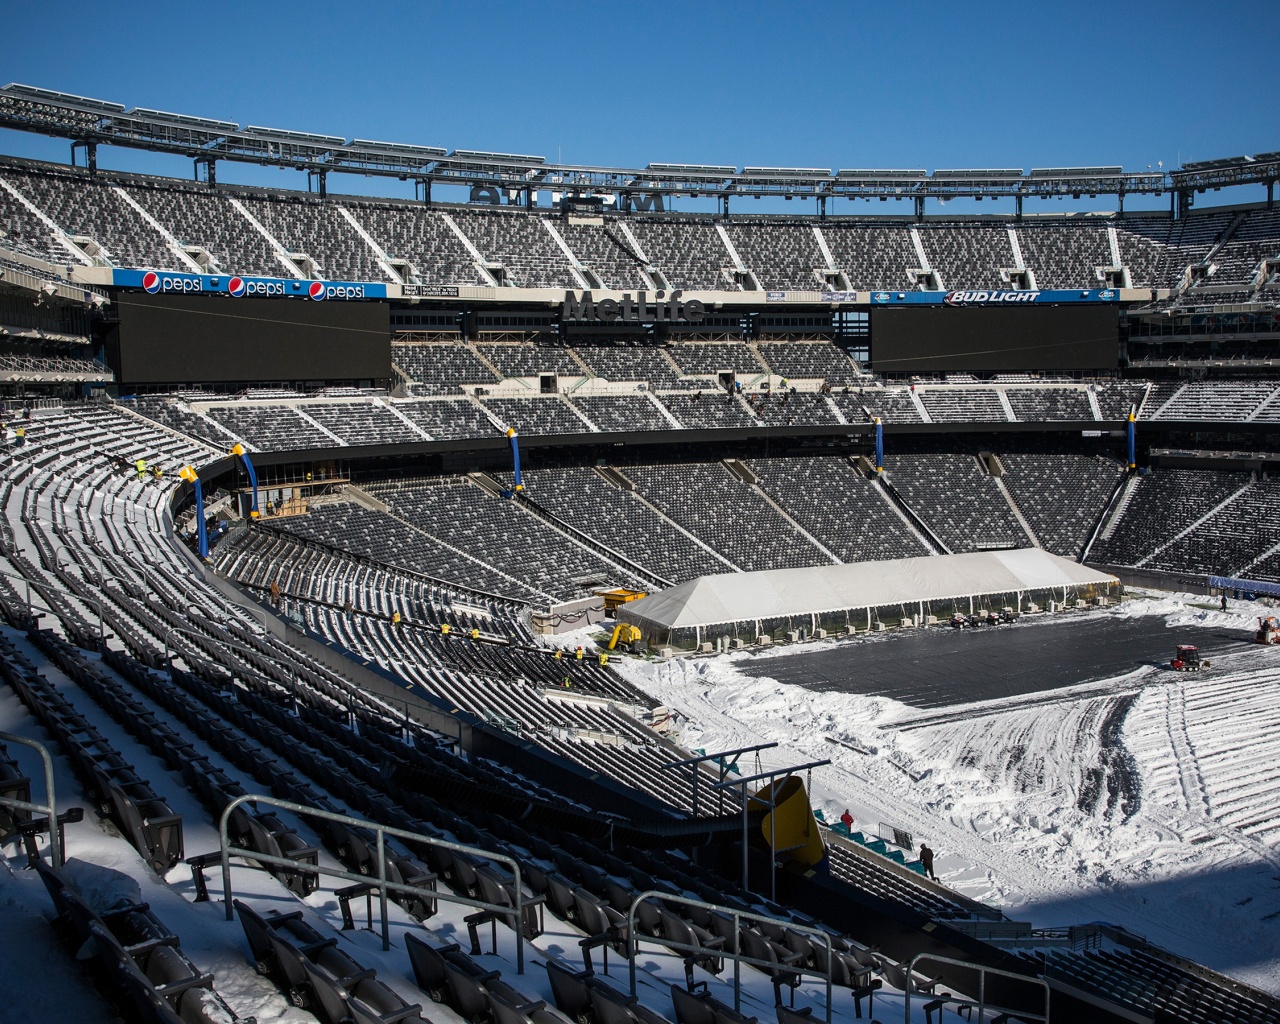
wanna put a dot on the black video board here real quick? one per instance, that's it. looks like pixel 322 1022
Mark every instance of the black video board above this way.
pixel 949 339
pixel 177 339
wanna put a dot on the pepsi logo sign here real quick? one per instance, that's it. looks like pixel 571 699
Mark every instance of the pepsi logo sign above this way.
pixel 153 282
pixel 238 287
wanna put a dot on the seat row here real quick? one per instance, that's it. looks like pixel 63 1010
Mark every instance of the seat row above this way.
pixel 109 780
pixel 316 975
pixel 136 958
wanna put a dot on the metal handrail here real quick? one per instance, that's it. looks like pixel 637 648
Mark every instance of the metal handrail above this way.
pixel 96 600
pixel 633 943
pixel 55 837
pixel 194 634
pixel 25 581
pixel 983 971
pixel 771 803
pixel 384 886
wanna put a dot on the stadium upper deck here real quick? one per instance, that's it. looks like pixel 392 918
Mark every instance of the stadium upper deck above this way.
pixel 97 223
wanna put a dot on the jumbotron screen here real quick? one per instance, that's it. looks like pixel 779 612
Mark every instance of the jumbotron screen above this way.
pixel 932 339
pixel 195 339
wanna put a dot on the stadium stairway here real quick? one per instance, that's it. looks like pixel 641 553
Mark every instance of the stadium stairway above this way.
pixel 1017 512
pixel 619 560
pixel 918 526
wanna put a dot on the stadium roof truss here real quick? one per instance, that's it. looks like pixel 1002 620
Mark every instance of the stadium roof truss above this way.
pixel 90 122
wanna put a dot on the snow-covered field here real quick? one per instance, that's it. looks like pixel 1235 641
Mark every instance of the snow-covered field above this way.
pixel 1150 799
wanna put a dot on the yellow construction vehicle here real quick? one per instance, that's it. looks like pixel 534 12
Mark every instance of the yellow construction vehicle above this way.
pixel 625 632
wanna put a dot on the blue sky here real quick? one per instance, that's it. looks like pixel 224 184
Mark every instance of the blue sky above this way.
pixel 843 85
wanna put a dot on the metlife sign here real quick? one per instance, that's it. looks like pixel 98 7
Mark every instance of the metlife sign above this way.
pixel 994 297
pixel 668 309
pixel 160 282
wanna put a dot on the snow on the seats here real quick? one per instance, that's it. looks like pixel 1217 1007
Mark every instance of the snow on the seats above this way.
pixel 1150 799
pixel 102 860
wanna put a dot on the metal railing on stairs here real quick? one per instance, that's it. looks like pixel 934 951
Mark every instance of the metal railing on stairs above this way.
pixel 738 915
pixel 384 886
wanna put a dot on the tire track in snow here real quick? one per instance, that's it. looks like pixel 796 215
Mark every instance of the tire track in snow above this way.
pixel 1184 754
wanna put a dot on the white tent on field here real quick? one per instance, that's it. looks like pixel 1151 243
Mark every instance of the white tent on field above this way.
pixel 857 594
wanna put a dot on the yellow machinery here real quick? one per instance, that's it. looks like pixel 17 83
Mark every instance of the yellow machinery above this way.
pixel 615 599
pixel 625 632
pixel 790 826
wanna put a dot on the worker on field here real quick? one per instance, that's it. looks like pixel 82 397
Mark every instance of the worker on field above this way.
pixel 926 861
pixel 1224 600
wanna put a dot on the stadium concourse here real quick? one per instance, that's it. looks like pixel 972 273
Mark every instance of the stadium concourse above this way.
pixel 314 506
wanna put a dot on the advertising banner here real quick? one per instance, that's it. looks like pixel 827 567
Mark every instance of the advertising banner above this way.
pixel 993 297
pixel 165 282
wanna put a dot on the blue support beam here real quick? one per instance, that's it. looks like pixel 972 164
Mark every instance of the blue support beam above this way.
pixel 202 534
pixel 238 451
pixel 514 438
pixel 1132 431
pixel 879 445
pixel 188 474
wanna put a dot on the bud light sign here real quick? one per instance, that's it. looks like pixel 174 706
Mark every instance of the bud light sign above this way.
pixel 161 282
pixel 993 297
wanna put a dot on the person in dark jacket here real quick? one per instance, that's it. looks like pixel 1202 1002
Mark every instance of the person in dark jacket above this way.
pixel 926 861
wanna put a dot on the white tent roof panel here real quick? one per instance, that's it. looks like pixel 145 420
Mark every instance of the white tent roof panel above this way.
pixel 780 593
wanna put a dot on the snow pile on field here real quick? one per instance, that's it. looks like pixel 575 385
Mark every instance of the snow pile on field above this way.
pixel 1150 799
